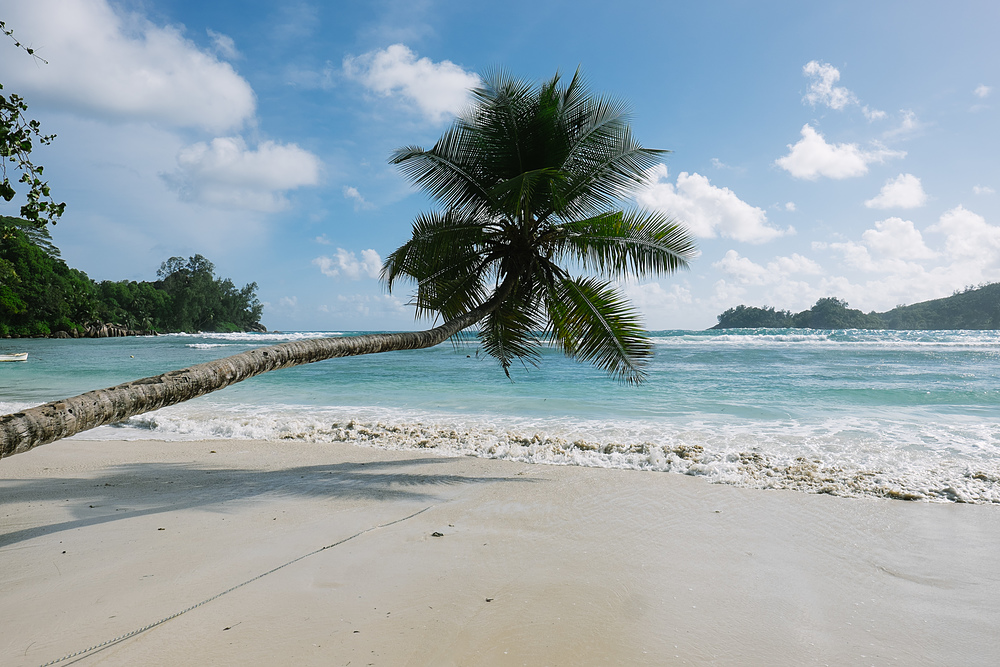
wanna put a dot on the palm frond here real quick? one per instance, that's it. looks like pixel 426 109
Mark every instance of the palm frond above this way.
pixel 497 83
pixel 452 296
pixel 575 94
pixel 589 320
pixel 593 122
pixel 444 258
pixel 605 172
pixel 630 242
pixel 510 332
pixel 521 193
pixel 503 134
pixel 433 234
pixel 447 171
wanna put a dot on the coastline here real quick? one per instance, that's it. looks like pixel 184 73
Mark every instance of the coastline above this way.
pixel 580 565
pixel 843 413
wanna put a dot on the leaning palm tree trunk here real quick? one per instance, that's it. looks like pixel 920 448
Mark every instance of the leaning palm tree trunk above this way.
pixel 43 424
pixel 528 177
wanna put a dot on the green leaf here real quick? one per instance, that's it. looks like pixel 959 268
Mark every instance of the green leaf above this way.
pixel 619 243
pixel 591 321
pixel 511 332
pixel 443 257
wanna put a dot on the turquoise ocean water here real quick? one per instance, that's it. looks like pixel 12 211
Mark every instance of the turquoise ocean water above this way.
pixel 908 414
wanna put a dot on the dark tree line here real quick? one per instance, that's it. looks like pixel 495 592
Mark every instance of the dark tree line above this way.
pixel 973 308
pixel 751 317
pixel 827 313
pixel 40 295
pixel 199 301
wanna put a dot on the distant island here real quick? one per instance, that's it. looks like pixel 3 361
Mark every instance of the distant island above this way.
pixel 40 296
pixel 973 308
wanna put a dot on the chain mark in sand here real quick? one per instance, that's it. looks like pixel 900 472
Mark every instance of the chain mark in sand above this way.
pixel 133 633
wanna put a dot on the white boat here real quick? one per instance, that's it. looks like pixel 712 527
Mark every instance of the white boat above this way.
pixel 17 356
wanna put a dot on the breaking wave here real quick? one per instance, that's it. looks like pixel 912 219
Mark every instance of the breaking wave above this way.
pixel 842 457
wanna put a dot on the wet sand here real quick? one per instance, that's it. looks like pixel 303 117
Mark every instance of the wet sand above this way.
pixel 534 565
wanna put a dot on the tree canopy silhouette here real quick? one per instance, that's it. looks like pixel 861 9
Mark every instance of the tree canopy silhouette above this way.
pixel 530 178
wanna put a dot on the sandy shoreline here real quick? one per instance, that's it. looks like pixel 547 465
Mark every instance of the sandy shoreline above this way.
pixel 536 564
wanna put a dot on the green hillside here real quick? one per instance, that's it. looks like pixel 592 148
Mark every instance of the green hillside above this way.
pixel 974 308
pixel 40 295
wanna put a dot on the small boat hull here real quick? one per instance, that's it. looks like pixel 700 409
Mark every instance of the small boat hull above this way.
pixel 17 356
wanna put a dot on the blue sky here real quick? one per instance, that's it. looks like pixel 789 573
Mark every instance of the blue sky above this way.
pixel 819 149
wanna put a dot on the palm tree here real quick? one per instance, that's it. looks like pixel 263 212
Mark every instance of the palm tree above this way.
pixel 529 178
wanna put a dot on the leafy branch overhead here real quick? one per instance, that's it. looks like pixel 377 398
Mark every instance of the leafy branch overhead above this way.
pixel 18 135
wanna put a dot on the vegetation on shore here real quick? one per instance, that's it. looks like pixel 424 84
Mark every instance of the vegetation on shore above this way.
pixel 972 308
pixel 41 296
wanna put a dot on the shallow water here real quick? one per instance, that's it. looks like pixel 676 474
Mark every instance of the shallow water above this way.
pixel 907 414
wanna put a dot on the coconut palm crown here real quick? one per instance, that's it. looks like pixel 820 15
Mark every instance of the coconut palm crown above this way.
pixel 530 179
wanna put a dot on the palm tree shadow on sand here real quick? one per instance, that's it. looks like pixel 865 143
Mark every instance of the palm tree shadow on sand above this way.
pixel 133 490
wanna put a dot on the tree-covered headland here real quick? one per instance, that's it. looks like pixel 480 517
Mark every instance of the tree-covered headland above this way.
pixel 41 296
pixel 972 308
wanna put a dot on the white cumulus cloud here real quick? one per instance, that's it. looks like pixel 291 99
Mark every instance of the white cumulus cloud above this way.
pixel 897 238
pixel 813 157
pixel 908 270
pixel 891 263
pixel 904 191
pixel 707 210
pixel 784 281
pixel 873 114
pixel 909 125
pixel 650 297
pixel 968 236
pixel 822 89
pixel 438 89
pixel 111 63
pixel 224 45
pixel 366 306
pixel 227 173
pixel 352 193
pixel 983 190
pixel 746 271
pixel 982 91
pixel 345 263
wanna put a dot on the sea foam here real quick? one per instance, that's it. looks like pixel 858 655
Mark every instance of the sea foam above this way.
pixel 847 457
pixel 901 414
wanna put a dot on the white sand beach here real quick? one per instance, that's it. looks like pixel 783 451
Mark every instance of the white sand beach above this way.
pixel 534 565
